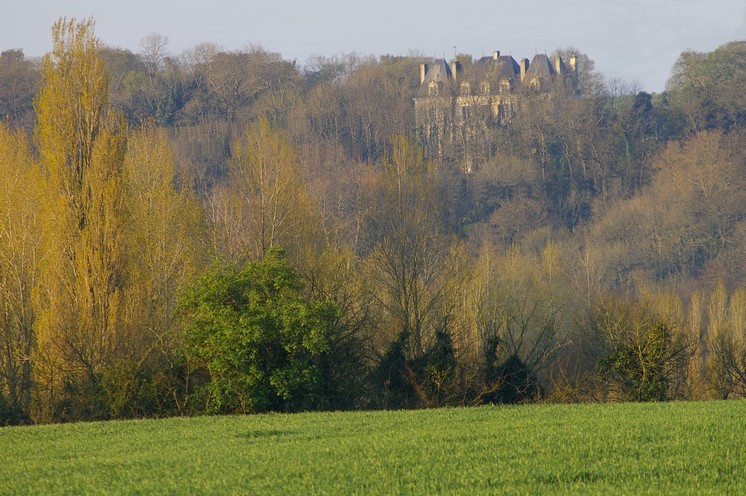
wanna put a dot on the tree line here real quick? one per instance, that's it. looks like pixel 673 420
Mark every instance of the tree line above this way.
pixel 228 232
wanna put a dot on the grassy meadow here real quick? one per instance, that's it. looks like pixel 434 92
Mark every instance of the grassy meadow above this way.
pixel 656 448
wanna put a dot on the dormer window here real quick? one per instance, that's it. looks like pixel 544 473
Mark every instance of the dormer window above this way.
pixel 505 85
pixel 485 88
pixel 465 88
pixel 432 89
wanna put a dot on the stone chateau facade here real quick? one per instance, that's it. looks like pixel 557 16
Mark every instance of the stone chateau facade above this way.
pixel 455 105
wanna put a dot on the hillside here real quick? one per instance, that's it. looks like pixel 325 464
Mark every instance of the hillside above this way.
pixel 225 232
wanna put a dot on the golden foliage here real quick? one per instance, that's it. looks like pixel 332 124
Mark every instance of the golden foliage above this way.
pixel 81 144
pixel 19 242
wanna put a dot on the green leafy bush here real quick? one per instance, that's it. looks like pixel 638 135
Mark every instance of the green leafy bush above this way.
pixel 262 343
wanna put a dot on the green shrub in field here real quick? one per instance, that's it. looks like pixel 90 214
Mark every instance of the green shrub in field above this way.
pixel 263 344
pixel 509 380
pixel 428 380
pixel 644 358
pixel 389 382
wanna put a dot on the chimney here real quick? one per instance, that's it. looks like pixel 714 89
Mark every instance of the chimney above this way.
pixel 558 64
pixel 573 63
pixel 495 54
pixel 454 68
pixel 423 72
pixel 524 68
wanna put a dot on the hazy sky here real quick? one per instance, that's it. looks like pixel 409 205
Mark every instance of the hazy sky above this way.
pixel 634 40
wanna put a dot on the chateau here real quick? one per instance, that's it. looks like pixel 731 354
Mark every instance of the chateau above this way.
pixel 455 105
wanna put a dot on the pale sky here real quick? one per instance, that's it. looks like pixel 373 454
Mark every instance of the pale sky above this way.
pixel 636 41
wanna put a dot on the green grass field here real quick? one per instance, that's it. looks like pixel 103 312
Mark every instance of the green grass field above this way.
pixel 664 448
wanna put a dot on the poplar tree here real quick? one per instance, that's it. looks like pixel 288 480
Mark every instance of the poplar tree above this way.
pixel 19 240
pixel 81 143
pixel 167 247
pixel 265 204
pixel 166 234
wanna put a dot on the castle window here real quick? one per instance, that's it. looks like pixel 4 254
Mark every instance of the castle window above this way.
pixel 485 88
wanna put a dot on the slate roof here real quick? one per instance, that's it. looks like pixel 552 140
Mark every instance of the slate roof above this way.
pixel 496 69
pixel 438 71
pixel 541 69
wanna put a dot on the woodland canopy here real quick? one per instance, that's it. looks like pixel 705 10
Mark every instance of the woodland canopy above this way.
pixel 226 231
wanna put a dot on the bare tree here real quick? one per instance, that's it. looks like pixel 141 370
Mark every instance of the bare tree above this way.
pixel 154 51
